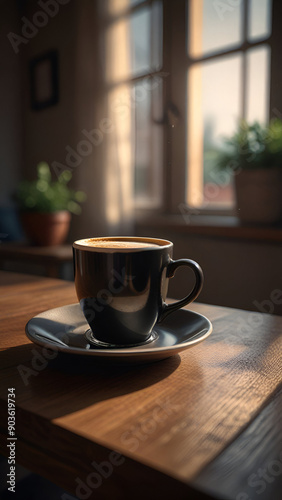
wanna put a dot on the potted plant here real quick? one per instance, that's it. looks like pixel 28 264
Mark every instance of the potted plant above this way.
pixel 254 154
pixel 46 206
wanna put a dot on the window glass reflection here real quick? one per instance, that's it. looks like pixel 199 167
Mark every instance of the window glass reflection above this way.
pixel 212 27
pixel 258 62
pixel 133 44
pixel 259 19
pixel 140 30
pixel 117 7
pixel 215 105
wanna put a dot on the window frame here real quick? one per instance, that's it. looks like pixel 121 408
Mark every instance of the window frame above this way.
pixel 177 31
pixel 174 122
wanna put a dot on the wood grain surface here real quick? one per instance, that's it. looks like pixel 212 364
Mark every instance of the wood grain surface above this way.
pixel 172 421
pixel 251 467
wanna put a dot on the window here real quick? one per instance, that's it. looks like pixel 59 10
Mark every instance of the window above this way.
pixel 228 66
pixel 132 41
pixel 179 76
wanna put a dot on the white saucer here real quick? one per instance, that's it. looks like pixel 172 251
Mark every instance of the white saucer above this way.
pixel 64 329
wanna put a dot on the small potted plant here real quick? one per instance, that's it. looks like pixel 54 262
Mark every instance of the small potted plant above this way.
pixel 45 206
pixel 254 154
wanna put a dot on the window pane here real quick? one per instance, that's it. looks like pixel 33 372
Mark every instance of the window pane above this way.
pixel 142 137
pixel 133 44
pixel 135 2
pixel 147 99
pixel 259 19
pixel 157 35
pixel 213 26
pixel 214 105
pixel 140 28
pixel 258 62
pixel 117 7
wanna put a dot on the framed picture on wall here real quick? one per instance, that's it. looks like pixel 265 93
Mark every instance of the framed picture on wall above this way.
pixel 44 80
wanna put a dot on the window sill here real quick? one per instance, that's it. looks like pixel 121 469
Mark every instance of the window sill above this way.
pixel 211 226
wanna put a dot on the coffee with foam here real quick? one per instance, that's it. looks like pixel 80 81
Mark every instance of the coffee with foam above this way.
pixel 104 243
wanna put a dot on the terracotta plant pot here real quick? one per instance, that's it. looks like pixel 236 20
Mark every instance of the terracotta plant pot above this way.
pixel 259 196
pixel 46 229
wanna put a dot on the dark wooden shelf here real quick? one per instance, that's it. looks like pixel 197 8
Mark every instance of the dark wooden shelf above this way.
pixel 52 258
pixel 27 252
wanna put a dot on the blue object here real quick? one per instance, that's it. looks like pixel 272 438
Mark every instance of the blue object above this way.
pixel 10 226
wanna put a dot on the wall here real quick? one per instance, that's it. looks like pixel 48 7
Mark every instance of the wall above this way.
pixel 47 131
pixel 10 104
pixel 52 133
pixel 90 174
pixel 241 274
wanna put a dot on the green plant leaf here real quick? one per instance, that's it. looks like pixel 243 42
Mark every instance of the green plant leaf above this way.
pixel 80 196
pixel 65 176
pixel 253 146
pixel 74 207
pixel 45 195
pixel 43 171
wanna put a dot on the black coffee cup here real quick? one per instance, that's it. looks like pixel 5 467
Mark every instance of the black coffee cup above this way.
pixel 121 284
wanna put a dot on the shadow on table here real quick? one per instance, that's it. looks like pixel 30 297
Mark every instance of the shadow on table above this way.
pixel 69 383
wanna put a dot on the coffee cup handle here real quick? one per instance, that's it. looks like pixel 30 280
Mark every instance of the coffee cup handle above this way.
pixel 171 268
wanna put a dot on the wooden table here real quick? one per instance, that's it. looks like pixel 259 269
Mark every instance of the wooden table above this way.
pixel 51 258
pixel 203 424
